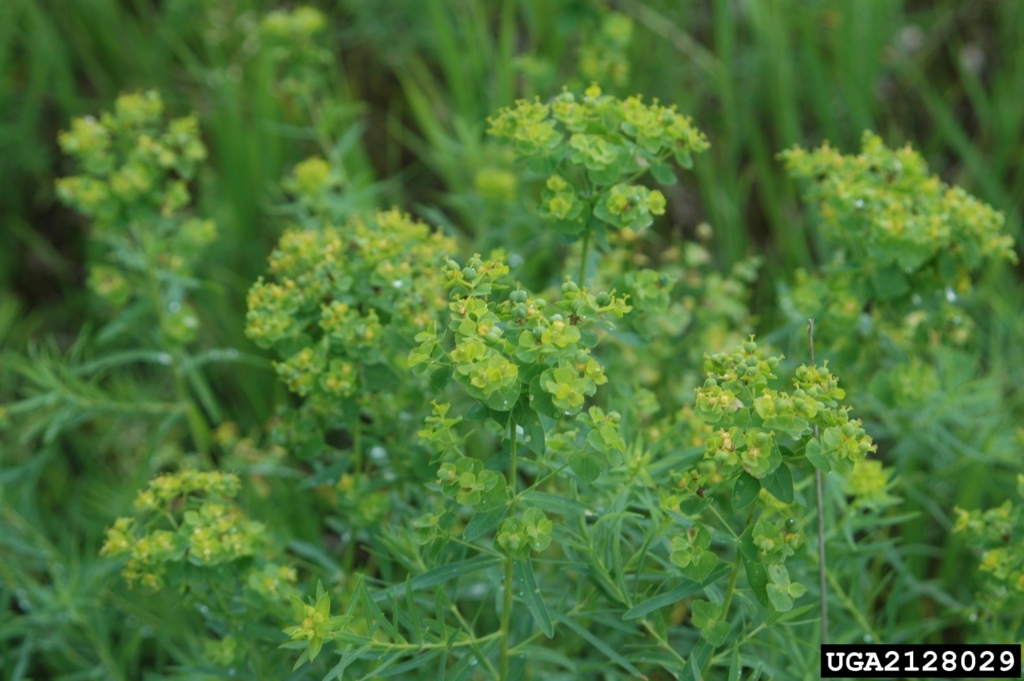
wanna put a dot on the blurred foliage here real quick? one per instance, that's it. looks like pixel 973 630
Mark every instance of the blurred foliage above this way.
pixel 125 350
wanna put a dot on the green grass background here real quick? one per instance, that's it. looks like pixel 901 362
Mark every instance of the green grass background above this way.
pixel 413 82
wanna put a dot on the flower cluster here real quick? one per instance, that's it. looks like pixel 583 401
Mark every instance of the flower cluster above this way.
pixel 345 297
pixel 133 164
pixel 883 204
pixel 869 484
pixel 521 345
pixel 754 419
pixel 135 170
pixel 316 624
pixel 188 518
pixel 517 536
pixel 593 148
pixel 999 532
pixel 906 247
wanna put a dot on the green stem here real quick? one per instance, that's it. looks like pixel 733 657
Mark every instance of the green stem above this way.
pixel 820 502
pixel 730 590
pixel 583 258
pixel 506 611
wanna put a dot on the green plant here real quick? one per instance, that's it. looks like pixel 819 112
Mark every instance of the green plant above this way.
pixel 563 456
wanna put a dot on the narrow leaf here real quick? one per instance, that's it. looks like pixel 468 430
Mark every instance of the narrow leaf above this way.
pixel 687 587
pixel 483 522
pixel 523 570
pixel 442 574
pixel 605 649
pixel 553 503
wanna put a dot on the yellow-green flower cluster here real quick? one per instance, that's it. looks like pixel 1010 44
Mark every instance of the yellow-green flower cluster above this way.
pixel 884 206
pixel 999 532
pixel 134 165
pixel 273 582
pixel 869 483
pixel 753 419
pixel 344 297
pixel 907 246
pixel 188 517
pixel 593 149
pixel 315 624
pixel 519 345
pixel 133 184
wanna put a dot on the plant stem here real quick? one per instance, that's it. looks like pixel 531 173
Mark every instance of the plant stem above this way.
pixel 583 258
pixel 819 484
pixel 506 610
pixel 730 591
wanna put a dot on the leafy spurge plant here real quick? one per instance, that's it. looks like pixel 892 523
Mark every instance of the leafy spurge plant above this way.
pixel 134 186
pixel 593 149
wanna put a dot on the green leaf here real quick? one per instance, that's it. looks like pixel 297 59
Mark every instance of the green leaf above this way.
pixel 554 503
pixel 687 587
pixel 603 647
pixel 478 412
pixel 734 665
pixel 757 576
pixel 816 455
pixel 588 465
pixel 698 570
pixel 745 490
pixel 780 599
pixel 704 613
pixel 523 570
pixel 716 633
pixel 504 399
pixel 779 484
pixel 541 401
pixel 442 574
pixel 414 612
pixel 684 159
pixel 890 283
pixel 484 522
pixel 439 378
pixel 698 658
pixel 662 172
pixel 533 430
pixel 408 665
pixel 793 426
